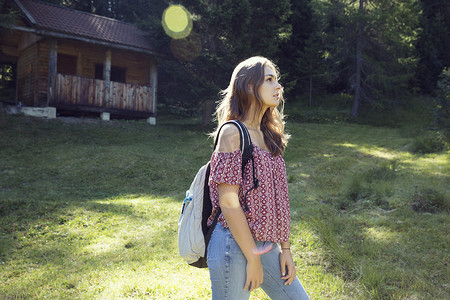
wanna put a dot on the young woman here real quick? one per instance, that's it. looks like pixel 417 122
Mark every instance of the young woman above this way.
pixel 250 249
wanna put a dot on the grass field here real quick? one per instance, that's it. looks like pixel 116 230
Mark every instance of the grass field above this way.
pixel 90 210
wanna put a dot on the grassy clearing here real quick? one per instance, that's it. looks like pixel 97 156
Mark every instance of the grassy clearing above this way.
pixel 90 210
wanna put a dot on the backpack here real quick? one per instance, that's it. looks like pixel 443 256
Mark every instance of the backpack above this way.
pixel 193 232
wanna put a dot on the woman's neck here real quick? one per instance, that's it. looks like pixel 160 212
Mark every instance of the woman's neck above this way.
pixel 253 118
pixel 252 124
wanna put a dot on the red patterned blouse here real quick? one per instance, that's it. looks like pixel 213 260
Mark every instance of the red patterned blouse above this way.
pixel 269 213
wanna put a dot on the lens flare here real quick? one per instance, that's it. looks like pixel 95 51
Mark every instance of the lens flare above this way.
pixel 263 250
pixel 177 22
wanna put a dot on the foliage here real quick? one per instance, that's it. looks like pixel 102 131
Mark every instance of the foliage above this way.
pixel 391 60
pixel 295 50
pixel 429 200
pixel 100 7
pixel 389 29
pixel 433 45
pixel 7 70
pixel 430 142
pixel 7 17
pixel 231 31
pixel 442 105
pixel 7 82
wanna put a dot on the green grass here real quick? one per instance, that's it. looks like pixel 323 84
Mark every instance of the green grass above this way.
pixel 90 210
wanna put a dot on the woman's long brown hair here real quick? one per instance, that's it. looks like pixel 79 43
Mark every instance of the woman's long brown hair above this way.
pixel 237 99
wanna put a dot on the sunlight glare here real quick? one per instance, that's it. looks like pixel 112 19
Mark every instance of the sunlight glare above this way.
pixel 177 22
pixel 373 151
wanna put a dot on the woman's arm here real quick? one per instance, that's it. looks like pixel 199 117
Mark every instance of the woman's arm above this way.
pixel 229 141
pixel 237 222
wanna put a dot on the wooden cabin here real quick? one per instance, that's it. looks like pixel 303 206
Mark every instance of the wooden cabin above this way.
pixel 78 61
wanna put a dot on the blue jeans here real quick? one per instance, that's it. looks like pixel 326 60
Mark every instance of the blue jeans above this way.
pixel 227 269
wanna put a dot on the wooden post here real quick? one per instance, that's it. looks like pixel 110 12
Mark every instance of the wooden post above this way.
pixel 153 84
pixel 107 78
pixel 52 69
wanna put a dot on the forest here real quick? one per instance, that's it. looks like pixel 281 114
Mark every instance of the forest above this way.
pixel 363 57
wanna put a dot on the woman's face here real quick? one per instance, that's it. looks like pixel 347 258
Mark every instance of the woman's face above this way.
pixel 270 90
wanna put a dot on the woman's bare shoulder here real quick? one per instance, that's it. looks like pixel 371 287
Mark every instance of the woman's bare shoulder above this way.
pixel 229 139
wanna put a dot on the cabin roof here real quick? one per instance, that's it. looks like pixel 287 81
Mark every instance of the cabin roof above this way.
pixel 54 18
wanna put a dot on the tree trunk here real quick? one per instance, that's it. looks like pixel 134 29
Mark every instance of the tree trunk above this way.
pixel 310 85
pixel 357 99
pixel 207 110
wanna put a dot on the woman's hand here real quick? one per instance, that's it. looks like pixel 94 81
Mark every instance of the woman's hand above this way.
pixel 287 266
pixel 255 274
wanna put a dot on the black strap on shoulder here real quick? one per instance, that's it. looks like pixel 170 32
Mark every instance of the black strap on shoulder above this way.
pixel 245 140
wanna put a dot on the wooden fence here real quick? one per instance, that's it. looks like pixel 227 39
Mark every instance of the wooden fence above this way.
pixel 80 91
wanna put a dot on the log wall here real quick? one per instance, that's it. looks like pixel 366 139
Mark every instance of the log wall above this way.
pixel 27 75
pixel 136 64
pixel 43 60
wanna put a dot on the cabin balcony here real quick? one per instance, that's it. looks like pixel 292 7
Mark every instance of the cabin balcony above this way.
pixel 94 95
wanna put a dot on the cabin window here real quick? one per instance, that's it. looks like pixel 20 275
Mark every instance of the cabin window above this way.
pixel 67 64
pixel 117 73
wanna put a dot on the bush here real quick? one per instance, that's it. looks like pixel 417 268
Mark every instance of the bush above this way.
pixel 429 200
pixel 177 110
pixel 369 184
pixel 319 116
pixel 326 109
pixel 430 142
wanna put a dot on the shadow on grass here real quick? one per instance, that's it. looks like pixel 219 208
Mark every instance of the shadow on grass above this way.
pixel 81 240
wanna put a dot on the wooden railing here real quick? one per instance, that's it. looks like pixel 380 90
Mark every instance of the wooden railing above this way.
pixel 81 91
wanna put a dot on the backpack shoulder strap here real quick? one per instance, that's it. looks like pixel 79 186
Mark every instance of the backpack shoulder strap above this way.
pixel 247 148
pixel 244 136
pixel 245 143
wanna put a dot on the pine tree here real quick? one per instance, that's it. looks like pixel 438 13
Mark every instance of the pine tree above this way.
pixel 298 49
pixel 371 46
pixel 433 46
